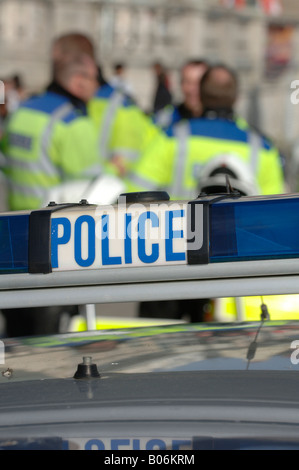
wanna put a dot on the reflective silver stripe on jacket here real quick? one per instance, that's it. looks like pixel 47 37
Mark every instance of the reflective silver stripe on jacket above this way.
pixel 27 191
pixel 131 155
pixel 45 163
pixel 142 182
pixel 255 144
pixel 25 165
pixel 164 117
pixel 92 172
pixel 181 133
pixel 105 131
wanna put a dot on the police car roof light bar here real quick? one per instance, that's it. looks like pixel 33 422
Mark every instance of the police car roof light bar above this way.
pixel 244 246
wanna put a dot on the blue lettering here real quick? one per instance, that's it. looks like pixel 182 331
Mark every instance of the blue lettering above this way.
pixel 91 240
pixel 55 240
pixel 136 444
pixel 106 259
pixel 94 443
pixel 115 443
pixel 150 445
pixel 141 238
pixel 65 445
pixel 128 239
pixel 170 255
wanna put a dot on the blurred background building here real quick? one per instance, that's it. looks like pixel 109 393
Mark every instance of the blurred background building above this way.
pixel 259 38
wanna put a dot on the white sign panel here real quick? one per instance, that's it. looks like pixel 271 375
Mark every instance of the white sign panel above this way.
pixel 119 236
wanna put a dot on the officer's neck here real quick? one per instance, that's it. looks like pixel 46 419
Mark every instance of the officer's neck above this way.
pixel 79 104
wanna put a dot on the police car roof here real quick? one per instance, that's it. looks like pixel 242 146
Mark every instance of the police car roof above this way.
pixel 132 399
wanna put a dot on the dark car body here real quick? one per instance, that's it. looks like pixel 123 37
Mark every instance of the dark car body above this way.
pixel 176 387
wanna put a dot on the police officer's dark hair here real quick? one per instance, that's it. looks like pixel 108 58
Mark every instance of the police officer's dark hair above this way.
pixel 218 94
pixel 17 81
pixel 119 66
pixel 195 62
pixel 72 44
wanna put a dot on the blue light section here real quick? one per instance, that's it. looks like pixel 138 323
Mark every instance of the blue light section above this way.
pixel 254 230
pixel 14 231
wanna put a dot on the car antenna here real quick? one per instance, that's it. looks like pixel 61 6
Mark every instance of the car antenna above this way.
pixel 253 346
pixel 229 188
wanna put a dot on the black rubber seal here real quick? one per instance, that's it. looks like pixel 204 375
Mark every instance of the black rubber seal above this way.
pixel 144 196
pixel 39 248
pixel 198 232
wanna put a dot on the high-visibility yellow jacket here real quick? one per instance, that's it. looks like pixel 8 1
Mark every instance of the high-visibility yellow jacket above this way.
pixel 48 141
pixel 280 307
pixel 124 130
pixel 174 162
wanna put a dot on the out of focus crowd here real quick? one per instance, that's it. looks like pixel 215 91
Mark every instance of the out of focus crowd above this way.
pixel 84 127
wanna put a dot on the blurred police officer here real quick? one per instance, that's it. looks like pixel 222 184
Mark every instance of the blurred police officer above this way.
pixel 120 81
pixel 50 138
pixel 123 129
pixel 191 106
pixel 162 94
pixel 175 162
pixel 195 150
